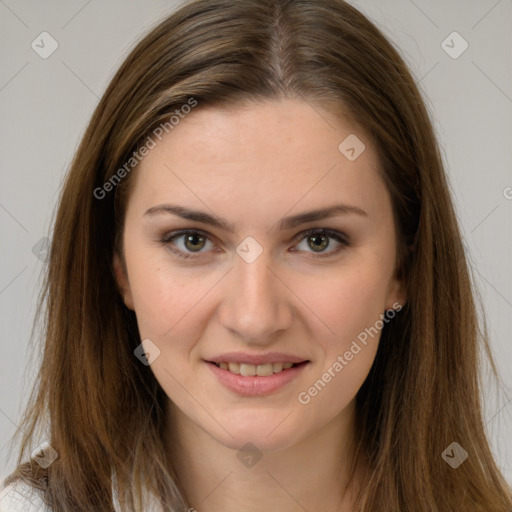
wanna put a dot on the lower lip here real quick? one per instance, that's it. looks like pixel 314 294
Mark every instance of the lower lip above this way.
pixel 254 386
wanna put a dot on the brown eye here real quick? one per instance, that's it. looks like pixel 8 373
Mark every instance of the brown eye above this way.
pixel 318 242
pixel 187 244
pixel 194 242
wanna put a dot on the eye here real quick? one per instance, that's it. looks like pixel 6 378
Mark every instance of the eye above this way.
pixel 192 241
pixel 318 240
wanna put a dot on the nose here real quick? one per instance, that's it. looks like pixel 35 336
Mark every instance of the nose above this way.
pixel 256 305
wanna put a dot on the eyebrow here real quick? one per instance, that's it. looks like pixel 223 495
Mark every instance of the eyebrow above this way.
pixel 285 223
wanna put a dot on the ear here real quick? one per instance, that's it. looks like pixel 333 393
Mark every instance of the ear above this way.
pixel 122 281
pixel 397 294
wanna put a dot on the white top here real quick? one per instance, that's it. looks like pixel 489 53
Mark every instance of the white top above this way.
pixel 20 497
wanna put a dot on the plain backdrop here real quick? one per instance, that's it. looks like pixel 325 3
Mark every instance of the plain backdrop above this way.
pixel 46 103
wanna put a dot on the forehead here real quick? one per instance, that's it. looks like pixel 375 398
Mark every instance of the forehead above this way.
pixel 267 131
pixel 264 156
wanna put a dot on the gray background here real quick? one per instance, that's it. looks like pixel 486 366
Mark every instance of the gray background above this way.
pixel 46 103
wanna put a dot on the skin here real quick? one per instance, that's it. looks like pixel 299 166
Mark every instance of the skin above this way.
pixel 252 166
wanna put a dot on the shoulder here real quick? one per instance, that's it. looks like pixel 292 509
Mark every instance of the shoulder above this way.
pixel 20 497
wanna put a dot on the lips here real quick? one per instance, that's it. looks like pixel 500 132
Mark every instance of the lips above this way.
pixel 250 374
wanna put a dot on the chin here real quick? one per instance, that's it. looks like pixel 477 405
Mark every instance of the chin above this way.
pixel 268 432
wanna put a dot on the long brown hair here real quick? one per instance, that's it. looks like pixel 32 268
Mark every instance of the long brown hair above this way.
pixel 105 410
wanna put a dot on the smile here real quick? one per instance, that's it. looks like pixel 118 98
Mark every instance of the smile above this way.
pixel 251 370
pixel 249 379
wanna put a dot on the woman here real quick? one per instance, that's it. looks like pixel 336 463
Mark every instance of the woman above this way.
pixel 257 296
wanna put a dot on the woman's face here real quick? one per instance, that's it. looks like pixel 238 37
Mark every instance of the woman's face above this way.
pixel 246 291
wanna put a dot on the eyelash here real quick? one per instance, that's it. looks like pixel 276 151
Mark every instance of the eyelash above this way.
pixel 336 235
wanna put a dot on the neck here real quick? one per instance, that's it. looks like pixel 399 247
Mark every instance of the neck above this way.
pixel 313 474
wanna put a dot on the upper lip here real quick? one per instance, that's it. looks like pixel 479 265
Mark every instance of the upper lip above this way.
pixel 256 359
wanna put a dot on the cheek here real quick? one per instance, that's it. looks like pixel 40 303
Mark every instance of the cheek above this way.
pixel 166 307
pixel 351 307
pixel 346 301
pixel 350 304
pixel 163 295
pixel 170 309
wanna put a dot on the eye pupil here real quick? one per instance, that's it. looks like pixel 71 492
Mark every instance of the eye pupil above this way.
pixel 193 238
pixel 321 242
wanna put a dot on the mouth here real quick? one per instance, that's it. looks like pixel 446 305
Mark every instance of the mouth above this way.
pixel 256 376
pixel 253 370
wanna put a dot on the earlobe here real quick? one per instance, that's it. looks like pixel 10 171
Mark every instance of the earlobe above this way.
pixel 400 301
pixel 398 294
pixel 122 281
pixel 403 275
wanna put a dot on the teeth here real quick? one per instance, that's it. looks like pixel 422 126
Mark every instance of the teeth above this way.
pixel 264 370
pixel 247 370
pixel 234 368
pixel 251 370
pixel 277 367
